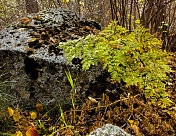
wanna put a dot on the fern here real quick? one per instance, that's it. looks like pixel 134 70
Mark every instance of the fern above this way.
pixel 135 58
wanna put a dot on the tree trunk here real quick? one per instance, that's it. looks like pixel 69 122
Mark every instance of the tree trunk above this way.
pixel 32 6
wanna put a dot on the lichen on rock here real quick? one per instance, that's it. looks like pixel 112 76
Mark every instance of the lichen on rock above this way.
pixel 28 49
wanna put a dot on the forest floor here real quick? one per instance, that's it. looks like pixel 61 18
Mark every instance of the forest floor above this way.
pixel 132 112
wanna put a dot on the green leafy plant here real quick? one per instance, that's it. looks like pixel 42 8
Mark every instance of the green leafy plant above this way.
pixel 135 58
pixel 63 118
pixel 69 77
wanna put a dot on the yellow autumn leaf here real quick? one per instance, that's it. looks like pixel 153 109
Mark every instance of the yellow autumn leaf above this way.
pixel 25 20
pixel 118 13
pixel 18 133
pixel 33 115
pixel 131 121
pixel 65 1
pixel 32 40
pixel 16 116
pixel 11 111
pixel 82 3
pixel 39 107
pixel 135 129
pixel 31 132
pixel 137 21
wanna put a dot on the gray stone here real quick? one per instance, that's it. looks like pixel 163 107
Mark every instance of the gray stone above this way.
pixel 40 76
pixel 109 130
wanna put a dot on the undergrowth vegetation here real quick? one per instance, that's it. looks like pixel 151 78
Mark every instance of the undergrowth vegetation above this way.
pixel 130 112
pixel 135 58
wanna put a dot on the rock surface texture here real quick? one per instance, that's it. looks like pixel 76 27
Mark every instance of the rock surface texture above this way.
pixel 36 67
pixel 109 130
